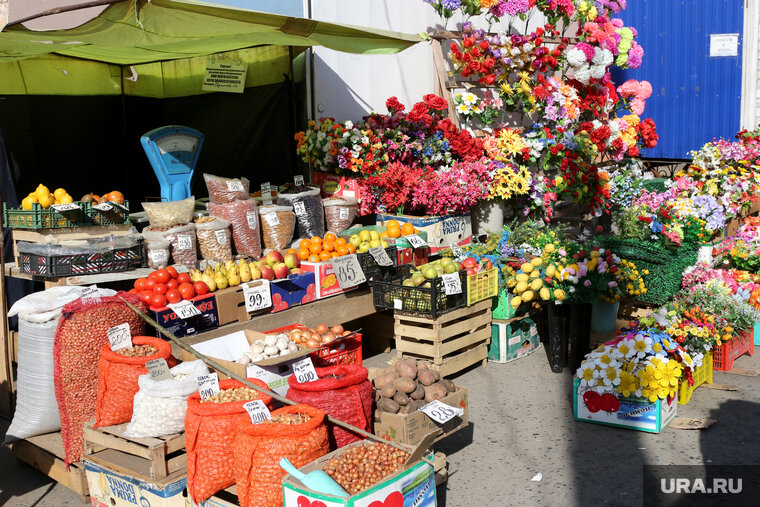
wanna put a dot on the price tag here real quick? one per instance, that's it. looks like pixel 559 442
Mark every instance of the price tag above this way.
pixel 208 385
pixel 159 256
pixel 253 220
pixel 266 190
pixel 304 371
pixel 343 214
pixel 258 411
pixel 184 242
pixel 348 270
pixel 299 208
pixel 221 236
pixel 103 207
pixel 298 180
pixel 272 219
pixel 235 186
pixel 440 412
pixel 452 284
pixel 257 297
pixel 184 309
pixel 380 256
pixel 120 336
pixel 65 207
pixel 398 304
pixel 90 292
pixel 158 369
pixel 416 241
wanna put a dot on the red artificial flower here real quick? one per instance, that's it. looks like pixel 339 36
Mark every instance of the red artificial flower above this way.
pixel 435 102
pixel 419 109
pixel 394 106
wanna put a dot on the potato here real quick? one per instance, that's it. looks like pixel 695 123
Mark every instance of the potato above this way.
pixel 406 409
pixel 437 375
pixel 377 395
pixel 402 399
pixel 405 385
pixel 418 393
pixel 426 377
pixel 422 366
pixel 435 392
pixel 404 369
pixel 449 385
pixel 386 378
pixel 388 391
pixel 386 405
pixel 417 404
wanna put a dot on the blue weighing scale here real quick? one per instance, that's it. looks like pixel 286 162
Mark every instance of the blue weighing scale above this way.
pixel 173 152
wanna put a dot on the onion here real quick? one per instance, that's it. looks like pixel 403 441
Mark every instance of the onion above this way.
pixel 344 333
pixel 328 337
pixel 296 335
pixel 312 343
pixel 337 329
pixel 322 328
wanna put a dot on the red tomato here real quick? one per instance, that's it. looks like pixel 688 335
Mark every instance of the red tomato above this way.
pixel 152 275
pixel 184 278
pixel 146 296
pixel 160 288
pixel 172 271
pixel 162 276
pixel 140 283
pixel 173 296
pixel 172 284
pixel 150 283
pixel 158 301
pixel 200 288
pixel 187 291
pixel 134 291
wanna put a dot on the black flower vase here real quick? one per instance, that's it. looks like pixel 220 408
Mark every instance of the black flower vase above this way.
pixel 565 331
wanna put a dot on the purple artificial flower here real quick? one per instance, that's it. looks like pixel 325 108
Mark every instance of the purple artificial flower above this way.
pixel 499 9
pixel 451 5
pixel 515 7
pixel 587 283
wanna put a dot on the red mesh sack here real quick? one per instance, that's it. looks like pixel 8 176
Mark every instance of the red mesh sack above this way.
pixel 344 393
pixel 210 430
pixel 259 448
pixel 82 332
pixel 117 380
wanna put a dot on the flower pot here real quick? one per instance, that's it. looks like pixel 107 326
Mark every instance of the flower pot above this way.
pixel 603 316
pixel 488 216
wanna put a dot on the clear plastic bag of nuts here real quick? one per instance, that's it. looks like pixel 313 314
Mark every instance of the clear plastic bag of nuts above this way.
pixel 214 238
pixel 340 213
pixel 181 239
pixel 307 206
pixel 244 219
pixel 158 253
pixel 221 190
pixel 277 226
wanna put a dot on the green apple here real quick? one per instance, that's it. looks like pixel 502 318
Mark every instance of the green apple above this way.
pixel 374 243
pixel 364 246
pixel 409 283
pixel 451 267
pixel 445 261
pixel 374 235
pixel 355 240
pixel 430 272
pixel 364 236
pixel 418 279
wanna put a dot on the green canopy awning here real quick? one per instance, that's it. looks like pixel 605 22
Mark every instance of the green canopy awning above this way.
pixel 160 49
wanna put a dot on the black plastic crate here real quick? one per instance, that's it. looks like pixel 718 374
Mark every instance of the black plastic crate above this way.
pixel 389 293
pixel 117 215
pixel 112 261
pixel 371 268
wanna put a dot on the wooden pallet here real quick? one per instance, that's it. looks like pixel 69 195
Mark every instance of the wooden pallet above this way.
pixel 45 453
pixel 452 342
pixel 151 459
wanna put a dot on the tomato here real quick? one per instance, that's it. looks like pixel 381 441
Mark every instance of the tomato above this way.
pixel 184 278
pixel 172 284
pixel 162 276
pixel 158 301
pixel 134 291
pixel 172 271
pixel 173 296
pixel 150 284
pixel 152 275
pixel 140 283
pixel 187 290
pixel 160 288
pixel 146 296
pixel 200 288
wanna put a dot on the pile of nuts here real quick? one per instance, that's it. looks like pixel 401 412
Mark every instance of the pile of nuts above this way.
pixel 138 351
pixel 288 419
pixel 235 394
pixel 277 226
pixel 362 466
pixel 214 241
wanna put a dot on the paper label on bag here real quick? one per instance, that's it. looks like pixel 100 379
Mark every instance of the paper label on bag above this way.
pixel 298 180
pixel 440 412
pixel 65 207
pixel 348 271
pixel 90 292
pixel 159 369
pixel 253 220
pixel 103 207
pixel 380 256
pixel 452 284
pixel 235 186
pixel 299 208
pixel 257 411
pixel 416 241
pixel 184 309
pixel 208 385
pixel 343 213
pixel 221 236
pixel 397 304
pixel 159 256
pixel 184 242
pixel 266 190
pixel 272 219
pixel 257 297
pixel 304 371
pixel 120 337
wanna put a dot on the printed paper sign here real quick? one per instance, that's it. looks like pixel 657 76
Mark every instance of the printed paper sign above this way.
pixel 90 292
pixel 452 284
pixel 221 236
pixel 253 220
pixel 343 213
pixel 440 412
pixel 724 44
pixel 159 369
pixel 64 207
pixel 272 219
pixel 103 207
pixel 120 336
pixel 208 385
pixel 416 241
pixel 348 271
pixel 184 309
pixel 224 76
pixel 257 297
pixel 258 411
pixel 184 242
pixel 235 186
pixel 299 208
pixel 304 371
pixel 381 256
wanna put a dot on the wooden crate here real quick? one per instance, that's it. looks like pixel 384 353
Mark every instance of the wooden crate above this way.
pixel 441 468
pixel 161 458
pixel 45 453
pixel 452 342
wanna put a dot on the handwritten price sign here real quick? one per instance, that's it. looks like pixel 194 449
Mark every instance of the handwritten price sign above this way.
pixel 159 369
pixel 304 371
pixel 184 309
pixel 257 297
pixel 257 411
pixel 208 385
pixel 381 256
pixel 120 337
pixel 440 412
pixel 61 208
pixel 348 271
pixel 452 284
pixel 416 241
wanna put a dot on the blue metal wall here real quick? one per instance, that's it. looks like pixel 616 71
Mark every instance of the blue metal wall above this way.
pixel 695 97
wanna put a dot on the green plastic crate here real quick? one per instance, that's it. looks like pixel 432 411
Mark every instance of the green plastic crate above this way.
pixel 502 307
pixel 398 242
pixel 39 218
pixel 117 215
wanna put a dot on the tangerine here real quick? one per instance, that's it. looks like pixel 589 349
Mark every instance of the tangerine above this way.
pixel 331 236
pixel 303 254
pixel 316 240
pixel 334 255
pixel 314 258
pixel 393 229
pixel 407 229
pixel 328 245
pixel 304 243
pixel 324 255
pixel 341 250
pixel 351 248
pixel 315 248
pixel 340 242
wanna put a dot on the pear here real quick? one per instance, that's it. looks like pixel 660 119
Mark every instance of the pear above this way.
pixel 209 279
pixel 229 264
pixel 233 277
pixel 221 281
pixel 245 272
pixel 255 271
pixel 196 275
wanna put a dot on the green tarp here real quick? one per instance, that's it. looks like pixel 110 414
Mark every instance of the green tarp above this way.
pixel 159 49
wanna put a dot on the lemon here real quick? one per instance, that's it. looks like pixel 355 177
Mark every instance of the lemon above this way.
pixel 26 203
pixel 522 277
pixel 527 267
pixel 536 262
pixel 67 199
pixel 59 193
pixel 536 284
pixel 521 287
pixel 46 200
pixel 516 301
pixel 545 294
pixel 41 191
pixel 527 295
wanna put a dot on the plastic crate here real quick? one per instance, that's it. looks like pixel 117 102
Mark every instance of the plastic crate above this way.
pixel 369 265
pixel 398 242
pixel 39 218
pixel 341 351
pixel 117 215
pixel 702 375
pixel 483 285
pixel 389 293
pixel 725 355
pixel 112 261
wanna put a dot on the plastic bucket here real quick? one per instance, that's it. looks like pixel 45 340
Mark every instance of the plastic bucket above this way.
pixel 603 316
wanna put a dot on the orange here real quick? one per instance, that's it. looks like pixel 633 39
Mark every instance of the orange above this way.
pixel 324 256
pixel 340 242
pixel 393 224
pixel 328 245
pixel 316 239
pixel 393 229
pixel 330 236
pixel 303 254
pixel 407 229
pixel 315 248
pixel 341 250
pixel 304 244
pixel 351 248
pixel 334 255
pixel 291 251
pixel 314 258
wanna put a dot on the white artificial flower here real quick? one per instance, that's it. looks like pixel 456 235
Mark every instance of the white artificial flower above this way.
pixel 576 57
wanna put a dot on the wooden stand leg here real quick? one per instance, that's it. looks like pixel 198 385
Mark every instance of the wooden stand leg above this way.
pixel 6 371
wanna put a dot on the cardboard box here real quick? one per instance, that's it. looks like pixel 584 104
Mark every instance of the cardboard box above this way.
pixel 513 340
pixel 325 280
pixel 442 232
pixel 208 319
pixel 634 413
pixel 112 489
pixel 292 291
pixel 332 184
pixel 415 485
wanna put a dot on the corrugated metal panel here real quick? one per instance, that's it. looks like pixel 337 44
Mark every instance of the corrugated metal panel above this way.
pixel 695 97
